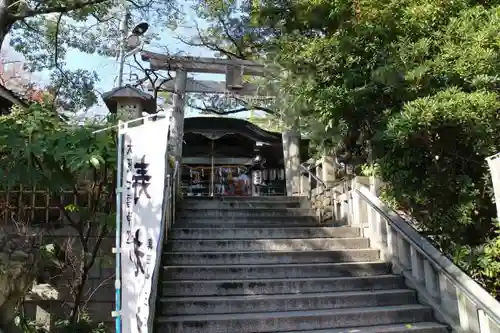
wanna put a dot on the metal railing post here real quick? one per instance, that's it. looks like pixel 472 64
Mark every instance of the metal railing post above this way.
pixel 167 209
pixel 175 187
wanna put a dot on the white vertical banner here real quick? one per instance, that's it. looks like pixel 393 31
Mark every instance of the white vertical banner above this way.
pixel 494 164
pixel 144 163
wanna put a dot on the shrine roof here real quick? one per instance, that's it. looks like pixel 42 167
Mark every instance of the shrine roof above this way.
pixel 219 126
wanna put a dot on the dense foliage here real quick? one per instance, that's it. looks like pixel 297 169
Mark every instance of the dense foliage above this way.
pixel 411 83
pixel 77 168
pixel 415 82
pixel 46 31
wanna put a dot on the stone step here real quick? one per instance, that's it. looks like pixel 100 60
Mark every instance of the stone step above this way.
pixel 175 306
pixel 255 203
pixel 263 233
pixel 277 271
pixel 253 222
pixel 194 199
pixel 423 327
pixel 294 320
pixel 262 257
pixel 246 212
pixel 279 286
pixel 231 245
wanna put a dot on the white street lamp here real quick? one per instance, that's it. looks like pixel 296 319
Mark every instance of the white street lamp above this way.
pixel 130 41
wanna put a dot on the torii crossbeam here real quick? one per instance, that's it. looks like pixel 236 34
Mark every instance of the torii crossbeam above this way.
pixel 202 64
pixel 234 85
pixel 214 87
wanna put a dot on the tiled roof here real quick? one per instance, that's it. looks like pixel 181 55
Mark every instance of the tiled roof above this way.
pixel 11 96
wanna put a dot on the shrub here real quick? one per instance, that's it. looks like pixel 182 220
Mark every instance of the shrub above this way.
pixel 433 159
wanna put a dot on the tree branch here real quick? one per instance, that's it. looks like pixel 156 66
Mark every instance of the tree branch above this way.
pixel 231 38
pixel 211 46
pixel 228 112
pixel 30 12
pixel 149 73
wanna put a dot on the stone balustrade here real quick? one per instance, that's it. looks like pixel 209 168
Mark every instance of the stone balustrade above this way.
pixel 455 297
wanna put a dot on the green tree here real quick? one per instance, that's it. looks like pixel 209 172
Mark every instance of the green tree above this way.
pixel 44 30
pixel 40 149
pixel 412 83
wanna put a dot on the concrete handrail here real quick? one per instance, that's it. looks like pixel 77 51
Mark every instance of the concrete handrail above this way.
pixel 311 174
pixel 168 218
pixel 456 298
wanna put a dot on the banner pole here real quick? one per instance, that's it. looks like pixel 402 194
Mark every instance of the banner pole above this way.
pixel 142 155
pixel 125 123
pixel 212 184
pixel 494 166
pixel 119 190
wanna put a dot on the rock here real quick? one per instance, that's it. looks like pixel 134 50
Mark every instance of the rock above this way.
pixel 3 239
pixel 19 255
pixel 19 259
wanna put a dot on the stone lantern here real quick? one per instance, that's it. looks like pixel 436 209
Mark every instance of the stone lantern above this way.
pixel 129 103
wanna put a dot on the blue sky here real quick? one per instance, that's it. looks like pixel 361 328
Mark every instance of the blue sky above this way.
pixel 107 68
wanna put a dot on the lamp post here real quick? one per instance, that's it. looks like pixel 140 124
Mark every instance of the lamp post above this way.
pixel 128 40
pixel 123 41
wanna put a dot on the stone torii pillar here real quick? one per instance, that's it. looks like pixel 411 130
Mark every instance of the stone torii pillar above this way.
pixel 291 158
pixel 177 116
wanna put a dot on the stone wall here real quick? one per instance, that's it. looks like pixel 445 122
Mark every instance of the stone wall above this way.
pixel 322 200
pixel 332 203
pixel 101 285
pixel 49 299
pixel 46 302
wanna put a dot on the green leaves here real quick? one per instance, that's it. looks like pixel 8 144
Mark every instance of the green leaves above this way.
pixel 44 32
pixel 96 161
pixel 39 147
pixel 416 79
pixel 434 160
pixel 40 150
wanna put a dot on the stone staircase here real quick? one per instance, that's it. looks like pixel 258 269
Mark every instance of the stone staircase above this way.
pixel 248 265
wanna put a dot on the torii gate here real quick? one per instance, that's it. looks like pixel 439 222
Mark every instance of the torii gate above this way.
pixel 234 71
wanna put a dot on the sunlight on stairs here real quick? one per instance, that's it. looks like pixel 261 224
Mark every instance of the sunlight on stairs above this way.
pixel 263 264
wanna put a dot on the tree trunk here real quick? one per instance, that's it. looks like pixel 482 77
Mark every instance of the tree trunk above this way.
pixel 78 289
pixel 5 20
